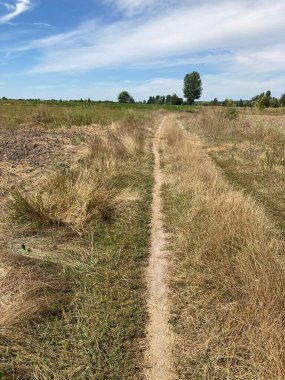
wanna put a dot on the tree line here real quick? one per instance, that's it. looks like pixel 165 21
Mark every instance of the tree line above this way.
pixel 263 100
pixel 168 99
pixel 192 91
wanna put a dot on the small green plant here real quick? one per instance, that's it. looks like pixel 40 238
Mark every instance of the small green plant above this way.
pixel 232 112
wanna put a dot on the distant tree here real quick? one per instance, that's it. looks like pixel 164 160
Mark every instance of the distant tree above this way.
pixel 168 99
pixel 282 100
pixel 267 98
pixel 175 100
pixel 125 97
pixel 274 102
pixel 160 100
pixel 264 101
pixel 192 87
pixel 255 100
pixel 247 103
pixel 215 102
pixel 229 103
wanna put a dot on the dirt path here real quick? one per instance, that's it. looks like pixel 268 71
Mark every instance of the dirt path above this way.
pixel 158 354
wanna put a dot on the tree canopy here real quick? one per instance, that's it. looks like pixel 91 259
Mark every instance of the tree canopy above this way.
pixel 168 99
pixel 125 97
pixel 192 87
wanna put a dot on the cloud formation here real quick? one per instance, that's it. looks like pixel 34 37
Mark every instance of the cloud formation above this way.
pixel 249 35
pixel 136 7
pixel 238 46
pixel 132 6
pixel 15 10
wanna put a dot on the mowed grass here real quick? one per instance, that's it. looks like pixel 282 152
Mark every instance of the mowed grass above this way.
pixel 227 273
pixel 250 149
pixel 77 310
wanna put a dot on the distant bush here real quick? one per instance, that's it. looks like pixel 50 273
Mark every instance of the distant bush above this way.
pixel 282 100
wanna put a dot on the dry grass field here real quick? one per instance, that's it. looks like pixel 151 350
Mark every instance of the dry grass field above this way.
pixel 76 188
pixel 227 272
pixel 250 149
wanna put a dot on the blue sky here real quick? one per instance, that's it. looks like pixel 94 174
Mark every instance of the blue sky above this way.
pixel 96 48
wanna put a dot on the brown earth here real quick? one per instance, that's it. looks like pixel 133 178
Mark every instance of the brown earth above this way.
pixel 28 152
pixel 158 354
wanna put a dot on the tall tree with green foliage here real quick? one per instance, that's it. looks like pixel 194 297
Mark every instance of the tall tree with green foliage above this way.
pixel 192 87
pixel 125 97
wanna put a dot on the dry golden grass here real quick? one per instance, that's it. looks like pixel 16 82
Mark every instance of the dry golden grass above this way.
pixel 28 287
pixel 227 274
pixel 85 193
pixel 250 149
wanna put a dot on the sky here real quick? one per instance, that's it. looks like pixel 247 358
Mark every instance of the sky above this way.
pixel 73 49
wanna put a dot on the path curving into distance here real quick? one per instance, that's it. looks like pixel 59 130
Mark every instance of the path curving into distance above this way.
pixel 158 354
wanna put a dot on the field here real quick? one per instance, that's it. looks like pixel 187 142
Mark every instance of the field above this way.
pixel 74 237
pixel 138 240
pixel 224 209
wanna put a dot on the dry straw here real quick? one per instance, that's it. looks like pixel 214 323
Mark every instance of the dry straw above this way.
pixel 228 274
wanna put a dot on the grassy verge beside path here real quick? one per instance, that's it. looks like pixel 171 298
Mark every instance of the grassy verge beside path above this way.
pixel 227 271
pixel 96 331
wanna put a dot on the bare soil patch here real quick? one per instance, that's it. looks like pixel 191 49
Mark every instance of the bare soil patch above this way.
pixel 159 338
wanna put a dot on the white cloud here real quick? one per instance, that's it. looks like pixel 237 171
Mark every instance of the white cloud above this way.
pixel 43 24
pixel 135 7
pixel 188 31
pixel 15 10
pixel 226 85
pixel 8 6
pixel 241 43
pixel 265 59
